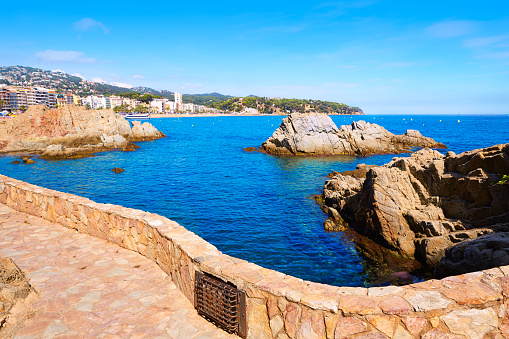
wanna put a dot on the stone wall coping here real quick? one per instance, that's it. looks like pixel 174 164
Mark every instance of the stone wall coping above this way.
pixel 182 252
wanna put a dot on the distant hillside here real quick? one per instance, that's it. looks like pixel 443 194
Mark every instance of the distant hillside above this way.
pixel 285 106
pixel 205 99
pixel 64 82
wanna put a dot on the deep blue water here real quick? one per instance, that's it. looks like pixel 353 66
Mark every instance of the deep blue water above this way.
pixel 250 205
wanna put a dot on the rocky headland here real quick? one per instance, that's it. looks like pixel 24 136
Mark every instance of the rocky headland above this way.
pixel 429 205
pixel 317 134
pixel 71 131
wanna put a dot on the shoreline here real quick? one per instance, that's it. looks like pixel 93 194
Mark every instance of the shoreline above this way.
pixel 159 115
pixel 208 115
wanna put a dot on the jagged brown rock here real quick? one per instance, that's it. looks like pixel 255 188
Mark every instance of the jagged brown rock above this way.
pixel 16 297
pixel 316 134
pixel 424 204
pixel 70 131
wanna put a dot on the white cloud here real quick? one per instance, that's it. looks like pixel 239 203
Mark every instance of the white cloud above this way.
pixel 88 24
pixel 451 29
pixel 79 76
pixel 58 70
pixel 486 41
pixel 119 84
pixel 50 55
pixel 99 80
pixel 137 76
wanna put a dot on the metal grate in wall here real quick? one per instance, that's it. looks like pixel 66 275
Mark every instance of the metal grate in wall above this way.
pixel 221 303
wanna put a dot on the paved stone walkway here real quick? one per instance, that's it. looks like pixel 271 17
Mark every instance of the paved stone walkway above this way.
pixel 93 289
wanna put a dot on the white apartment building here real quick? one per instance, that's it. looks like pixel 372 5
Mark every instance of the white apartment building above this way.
pixel 96 101
pixel 178 100
pixel 170 106
pixel 158 104
pixel 14 97
pixel 187 108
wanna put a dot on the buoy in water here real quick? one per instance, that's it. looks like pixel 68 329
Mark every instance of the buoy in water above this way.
pixel 458 121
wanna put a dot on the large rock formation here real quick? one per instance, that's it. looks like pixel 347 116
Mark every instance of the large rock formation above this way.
pixel 316 134
pixel 424 204
pixel 16 297
pixel 70 131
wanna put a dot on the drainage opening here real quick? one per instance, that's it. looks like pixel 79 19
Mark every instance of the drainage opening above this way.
pixel 221 303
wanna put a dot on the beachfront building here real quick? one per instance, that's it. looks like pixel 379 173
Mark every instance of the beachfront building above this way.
pixel 14 98
pixel 116 101
pixel 159 105
pixel 170 106
pixel 64 99
pixel 76 99
pixel 178 100
pixel 96 102
pixel 5 96
pixel 187 108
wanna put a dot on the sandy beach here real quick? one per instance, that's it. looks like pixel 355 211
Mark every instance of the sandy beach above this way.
pixel 158 115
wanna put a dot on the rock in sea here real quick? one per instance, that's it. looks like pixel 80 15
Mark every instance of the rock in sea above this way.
pixel 422 205
pixel 70 131
pixel 316 134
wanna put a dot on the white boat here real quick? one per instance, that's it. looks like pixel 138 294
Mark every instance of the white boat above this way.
pixel 138 116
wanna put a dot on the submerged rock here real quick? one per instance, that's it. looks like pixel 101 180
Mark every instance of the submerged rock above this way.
pixel 422 205
pixel 28 161
pixel 118 170
pixel 70 131
pixel 316 134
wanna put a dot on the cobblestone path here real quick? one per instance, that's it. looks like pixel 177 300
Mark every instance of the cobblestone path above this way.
pixel 89 288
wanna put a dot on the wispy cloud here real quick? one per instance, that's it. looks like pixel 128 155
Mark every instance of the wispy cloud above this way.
pixel 496 55
pixel 99 80
pixel 120 84
pixel 79 76
pixel 486 41
pixel 452 28
pixel 53 56
pixel 137 76
pixel 88 24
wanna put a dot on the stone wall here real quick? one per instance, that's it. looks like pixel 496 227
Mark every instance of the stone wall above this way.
pixel 473 305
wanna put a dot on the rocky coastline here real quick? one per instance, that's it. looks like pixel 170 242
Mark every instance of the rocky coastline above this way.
pixel 317 134
pixel 430 207
pixel 70 132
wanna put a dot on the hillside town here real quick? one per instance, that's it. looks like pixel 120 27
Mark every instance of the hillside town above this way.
pixel 22 87
pixel 16 98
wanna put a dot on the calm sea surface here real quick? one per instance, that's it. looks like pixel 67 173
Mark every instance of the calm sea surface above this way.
pixel 250 205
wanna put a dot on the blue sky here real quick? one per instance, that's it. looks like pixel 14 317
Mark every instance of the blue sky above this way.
pixel 404 57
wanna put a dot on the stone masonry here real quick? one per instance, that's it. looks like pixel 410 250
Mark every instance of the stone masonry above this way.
pixel 279 306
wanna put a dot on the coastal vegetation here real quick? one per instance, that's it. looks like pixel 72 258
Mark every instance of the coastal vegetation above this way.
pixel 63 82
pixel 281 106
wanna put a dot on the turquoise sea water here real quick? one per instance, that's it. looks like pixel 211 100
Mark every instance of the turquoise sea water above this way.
pixel 250 205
